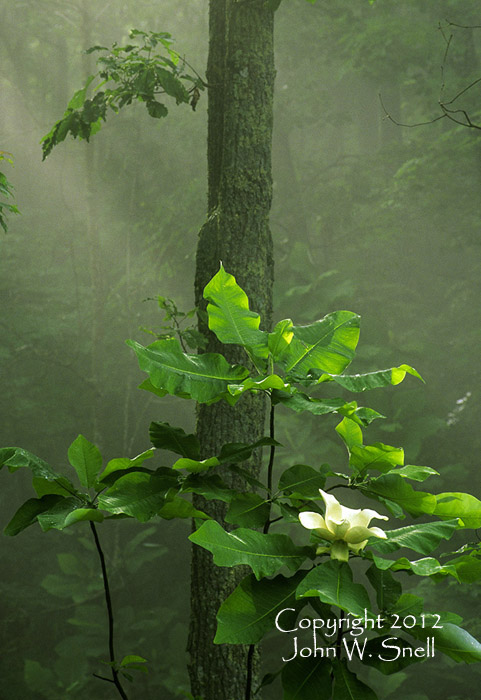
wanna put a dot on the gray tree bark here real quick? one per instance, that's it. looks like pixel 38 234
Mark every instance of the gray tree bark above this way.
pixel 240 75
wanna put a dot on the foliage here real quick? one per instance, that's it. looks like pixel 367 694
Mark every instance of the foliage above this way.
pixel 6 191
pixel 136 73
pixel 292 359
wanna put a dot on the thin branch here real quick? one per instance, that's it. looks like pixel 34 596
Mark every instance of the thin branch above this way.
pixel 108 601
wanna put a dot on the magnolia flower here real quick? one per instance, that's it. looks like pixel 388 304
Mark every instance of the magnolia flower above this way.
pixel 346 528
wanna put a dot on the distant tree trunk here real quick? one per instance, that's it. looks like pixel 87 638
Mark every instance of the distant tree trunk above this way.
pixel 240 75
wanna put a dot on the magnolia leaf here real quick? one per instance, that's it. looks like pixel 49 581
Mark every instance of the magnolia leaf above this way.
pixel 389 654
pixel 387 588
pixel 180 508
pixel 15 458
pixel 137 494
pixel 349 432
pixel 208 485
pixel 371 380
pixel 302 481
pixel 332 583
pixel 204 378
pixel 264 553
pixel 65 512
pixel 307 679
pixel 250 611
pixel 229 315
pixel 422 538
pixel 396 489
pixel 121 464
pixel 280 338
pixel 27 514
pixel 410 471
pixel 86 459
pixel 249 510
pixel 347 685
pixel 164 437
pixel 452 640
pixel 459 505
pixel 377 456
pixel 327 345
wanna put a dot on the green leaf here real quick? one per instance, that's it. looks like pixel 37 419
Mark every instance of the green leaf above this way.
pixel 280 338
pixel 232 452
pixel 229 315
pixel 248 509
pixel 165 437
pixel 332 582
pixel 347 685
pixel 210 486
pixel 389 654
pixel 377 456
pixel 468 568
pixel 459 505
pixel 132 659
pixel 139 495
pixel 422 538
pixel 410 471
pixel 421 567
pixel 204 378
pixel 253 384
pixel 387 588
pixel 15 458
pixel 86 459
pixel 79 97
pixel 121 464
pixel 250 611
pixel 27 514
pixel 396 489
pixel 307 679
pixel 61 486
pixel 350 433
pixel 299 402
pixel 327 345
pixel 371 380
pixel 65 512
pixel 452 641
pixel 265 554
pixel 302 481
pixel 180 508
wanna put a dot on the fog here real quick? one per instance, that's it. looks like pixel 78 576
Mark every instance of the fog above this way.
pixel 369 216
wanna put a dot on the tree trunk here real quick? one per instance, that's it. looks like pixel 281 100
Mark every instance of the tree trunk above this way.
pixel 240 75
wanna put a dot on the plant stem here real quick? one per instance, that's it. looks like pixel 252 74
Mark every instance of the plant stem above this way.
pixel 108 601
pixel 270 467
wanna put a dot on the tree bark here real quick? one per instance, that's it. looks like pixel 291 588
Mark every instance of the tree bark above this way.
pixel 240 76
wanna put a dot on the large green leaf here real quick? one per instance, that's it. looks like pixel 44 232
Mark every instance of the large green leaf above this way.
pixel 280 338
pixel 229 315
pixel 307 679
pixel 347 685
pixel 165 437
pixel 27 514
pixel 122 464
pixel 389 654
pixel 250 611
pixel 302 481
pixel 248 510
pixel 452 640
pixel 265 554
pixel 204 378
pixel 65 512
pixel 16 457
pixel 180 508
pixel 209 486
pixel 459 505
pixel 86 459
pixel 333 583
pixel 388 589
pixel 377 456
pixel 231 452
pixel 394 488
pixel 371 380
pixel 326 345
pixel 428 566
pixel 422 538
pixel 139 495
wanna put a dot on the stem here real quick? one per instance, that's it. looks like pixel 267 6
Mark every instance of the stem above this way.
pixel 108 601
pixel 270 467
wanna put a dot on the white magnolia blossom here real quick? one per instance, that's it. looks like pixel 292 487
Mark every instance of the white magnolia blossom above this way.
pixel 346 528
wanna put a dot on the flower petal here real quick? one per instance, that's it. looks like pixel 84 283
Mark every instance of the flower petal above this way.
pixel 312 521
pixel 358 534
pixel 333 507
pixel 363 517
pixel 338 529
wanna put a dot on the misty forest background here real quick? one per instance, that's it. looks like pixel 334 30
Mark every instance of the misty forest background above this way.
pixel 367 216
